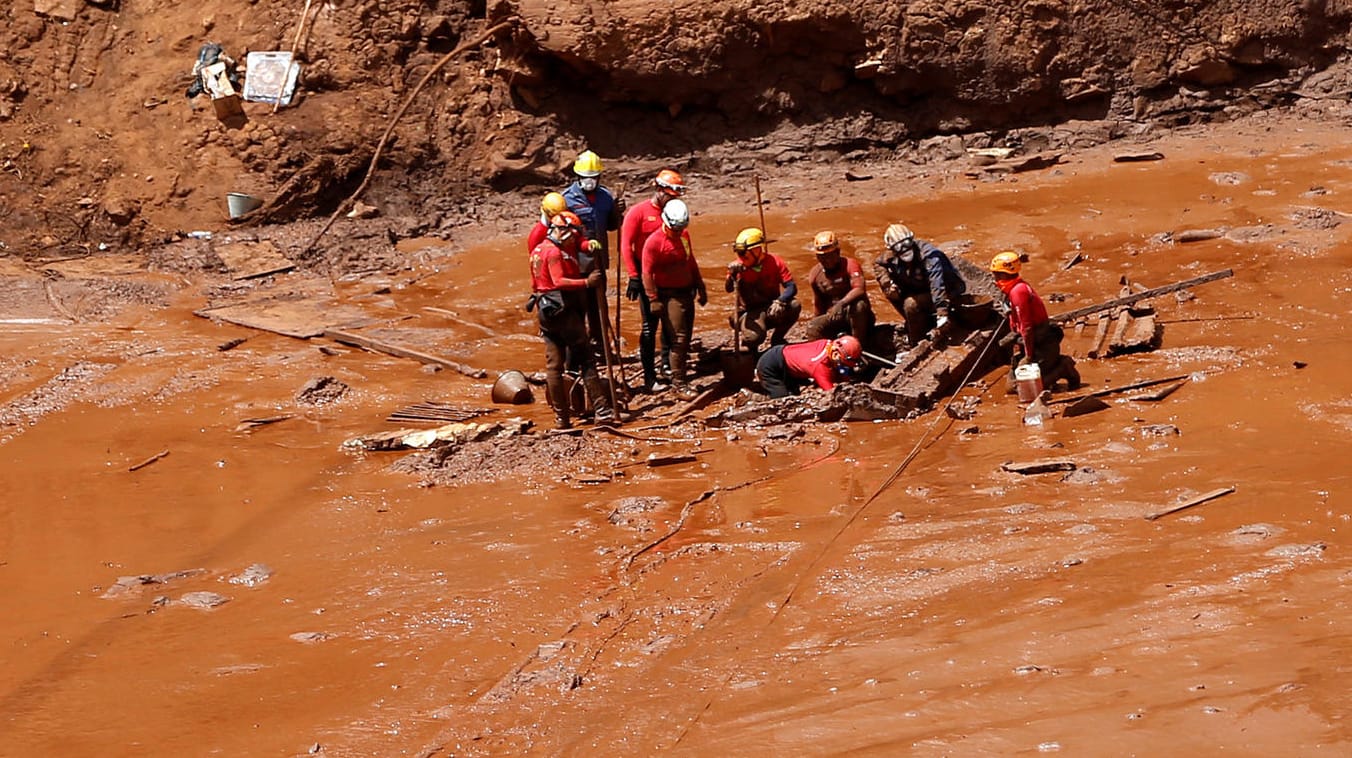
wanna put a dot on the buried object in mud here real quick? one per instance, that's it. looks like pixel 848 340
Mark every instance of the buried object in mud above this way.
pixel 1044 466
pixel 380 346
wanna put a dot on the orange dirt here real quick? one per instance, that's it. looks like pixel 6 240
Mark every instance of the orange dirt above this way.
pixel 757 601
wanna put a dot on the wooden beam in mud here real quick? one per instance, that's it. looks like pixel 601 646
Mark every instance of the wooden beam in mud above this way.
pixel 1212 495
pixel 399 351
pixel 1119 388
pixel 1119 302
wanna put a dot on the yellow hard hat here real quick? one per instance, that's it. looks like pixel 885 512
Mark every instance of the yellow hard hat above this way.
pixel 553 205
pixel 587 164
pixel 1006 263
pixel 748 238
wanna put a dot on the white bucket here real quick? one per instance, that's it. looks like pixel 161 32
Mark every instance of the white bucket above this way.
pixel 239 203
pixel 1028 379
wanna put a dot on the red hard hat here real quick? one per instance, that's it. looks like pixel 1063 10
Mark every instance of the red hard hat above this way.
pixel 847 351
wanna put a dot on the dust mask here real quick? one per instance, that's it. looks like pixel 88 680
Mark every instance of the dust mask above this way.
pixel 588 183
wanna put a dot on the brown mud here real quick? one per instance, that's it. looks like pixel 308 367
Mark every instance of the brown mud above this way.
pixel 767 598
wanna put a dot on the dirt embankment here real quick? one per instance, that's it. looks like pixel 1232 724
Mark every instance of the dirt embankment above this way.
pixel 99 148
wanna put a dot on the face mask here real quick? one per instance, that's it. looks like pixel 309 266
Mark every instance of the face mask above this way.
pixel 589 183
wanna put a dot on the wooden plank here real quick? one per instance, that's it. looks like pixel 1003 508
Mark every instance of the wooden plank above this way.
pixel 1159 394
pixel 1044 466
pixel 1212 495
pixel 1099 335
pixel 250 260
pixel 302 319
pixel 380 346
pixel 1069 316
pixel 1120 388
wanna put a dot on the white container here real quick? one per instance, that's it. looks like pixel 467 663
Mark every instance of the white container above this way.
pixel 1028 380
pixel 239 203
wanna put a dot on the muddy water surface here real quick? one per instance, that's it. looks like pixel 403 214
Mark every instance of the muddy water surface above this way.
pixel 768 599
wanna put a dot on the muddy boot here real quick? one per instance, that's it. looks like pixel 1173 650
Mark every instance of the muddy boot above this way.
pixel 561 420
pixel 604 412
pixel 1065 369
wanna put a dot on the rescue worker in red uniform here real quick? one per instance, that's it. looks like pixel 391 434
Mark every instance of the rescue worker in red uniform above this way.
pixel 601 214
pixel 639 224
pixel 786 369
pixel 766 291
pixel 672 283
pixel 839 294
pixel 558 286
pixel 1037 339
pixel 552 205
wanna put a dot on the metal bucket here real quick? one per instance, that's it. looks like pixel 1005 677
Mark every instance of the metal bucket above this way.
pixel 239 203
pixel 511 388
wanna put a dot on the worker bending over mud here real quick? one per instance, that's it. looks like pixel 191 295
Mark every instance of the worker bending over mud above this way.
pixel 672 282
pixel 640 223
pixel 1036 338
pixel 601 214
pixel 785 370
pixel 839 295
pixel 766 291
pixel 558 287
pixel 920 281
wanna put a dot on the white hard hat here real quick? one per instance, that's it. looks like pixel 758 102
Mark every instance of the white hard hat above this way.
pixel 675 214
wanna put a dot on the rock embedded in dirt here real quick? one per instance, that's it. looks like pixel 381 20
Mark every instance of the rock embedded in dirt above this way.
pixel 321 390
pixel 252 576
pixel 203 600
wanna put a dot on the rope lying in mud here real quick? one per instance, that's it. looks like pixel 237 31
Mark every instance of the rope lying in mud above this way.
pixel 384 138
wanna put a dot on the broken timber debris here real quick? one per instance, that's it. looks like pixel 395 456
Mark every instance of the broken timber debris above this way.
pixel 433 412
pixel 442 436
pixel 1120 388
pixel 1044 466
pixel 1159 394
pixel 1108 305
pixel 380 346
pixel 148 461
pixel 1212 495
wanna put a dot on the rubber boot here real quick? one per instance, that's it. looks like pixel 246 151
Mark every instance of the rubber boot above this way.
pixel 558 400
pixel 604 413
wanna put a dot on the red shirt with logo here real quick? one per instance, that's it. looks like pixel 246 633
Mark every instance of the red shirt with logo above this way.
pixel 639 223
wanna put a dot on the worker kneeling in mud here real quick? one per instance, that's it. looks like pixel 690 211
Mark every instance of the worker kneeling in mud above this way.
pixel 558 287
pixel 785 370
pixel 1036 338
pixel 765 289
pixel 920 281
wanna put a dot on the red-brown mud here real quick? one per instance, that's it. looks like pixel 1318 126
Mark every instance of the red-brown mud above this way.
pixel 758 601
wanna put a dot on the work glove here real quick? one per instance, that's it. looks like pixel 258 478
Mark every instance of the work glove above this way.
pixel 776 308
pixel 635 288
pixel 702 296
pixel 596 279
pixel 736 267
pixel 593 246
pixel 941 322
pixel 834 311
pixel 620 206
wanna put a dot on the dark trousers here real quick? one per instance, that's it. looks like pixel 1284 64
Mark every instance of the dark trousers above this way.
pixel 756 323
pixel 566 348
pixel 855 318
pixel 647 341
pixel 679 322
pixel 774 375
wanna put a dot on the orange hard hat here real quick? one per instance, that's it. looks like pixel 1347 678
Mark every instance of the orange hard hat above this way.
pixel 825 242
pixel 670 182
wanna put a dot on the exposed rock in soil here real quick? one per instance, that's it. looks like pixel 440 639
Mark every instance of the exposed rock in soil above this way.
pixel 321 390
